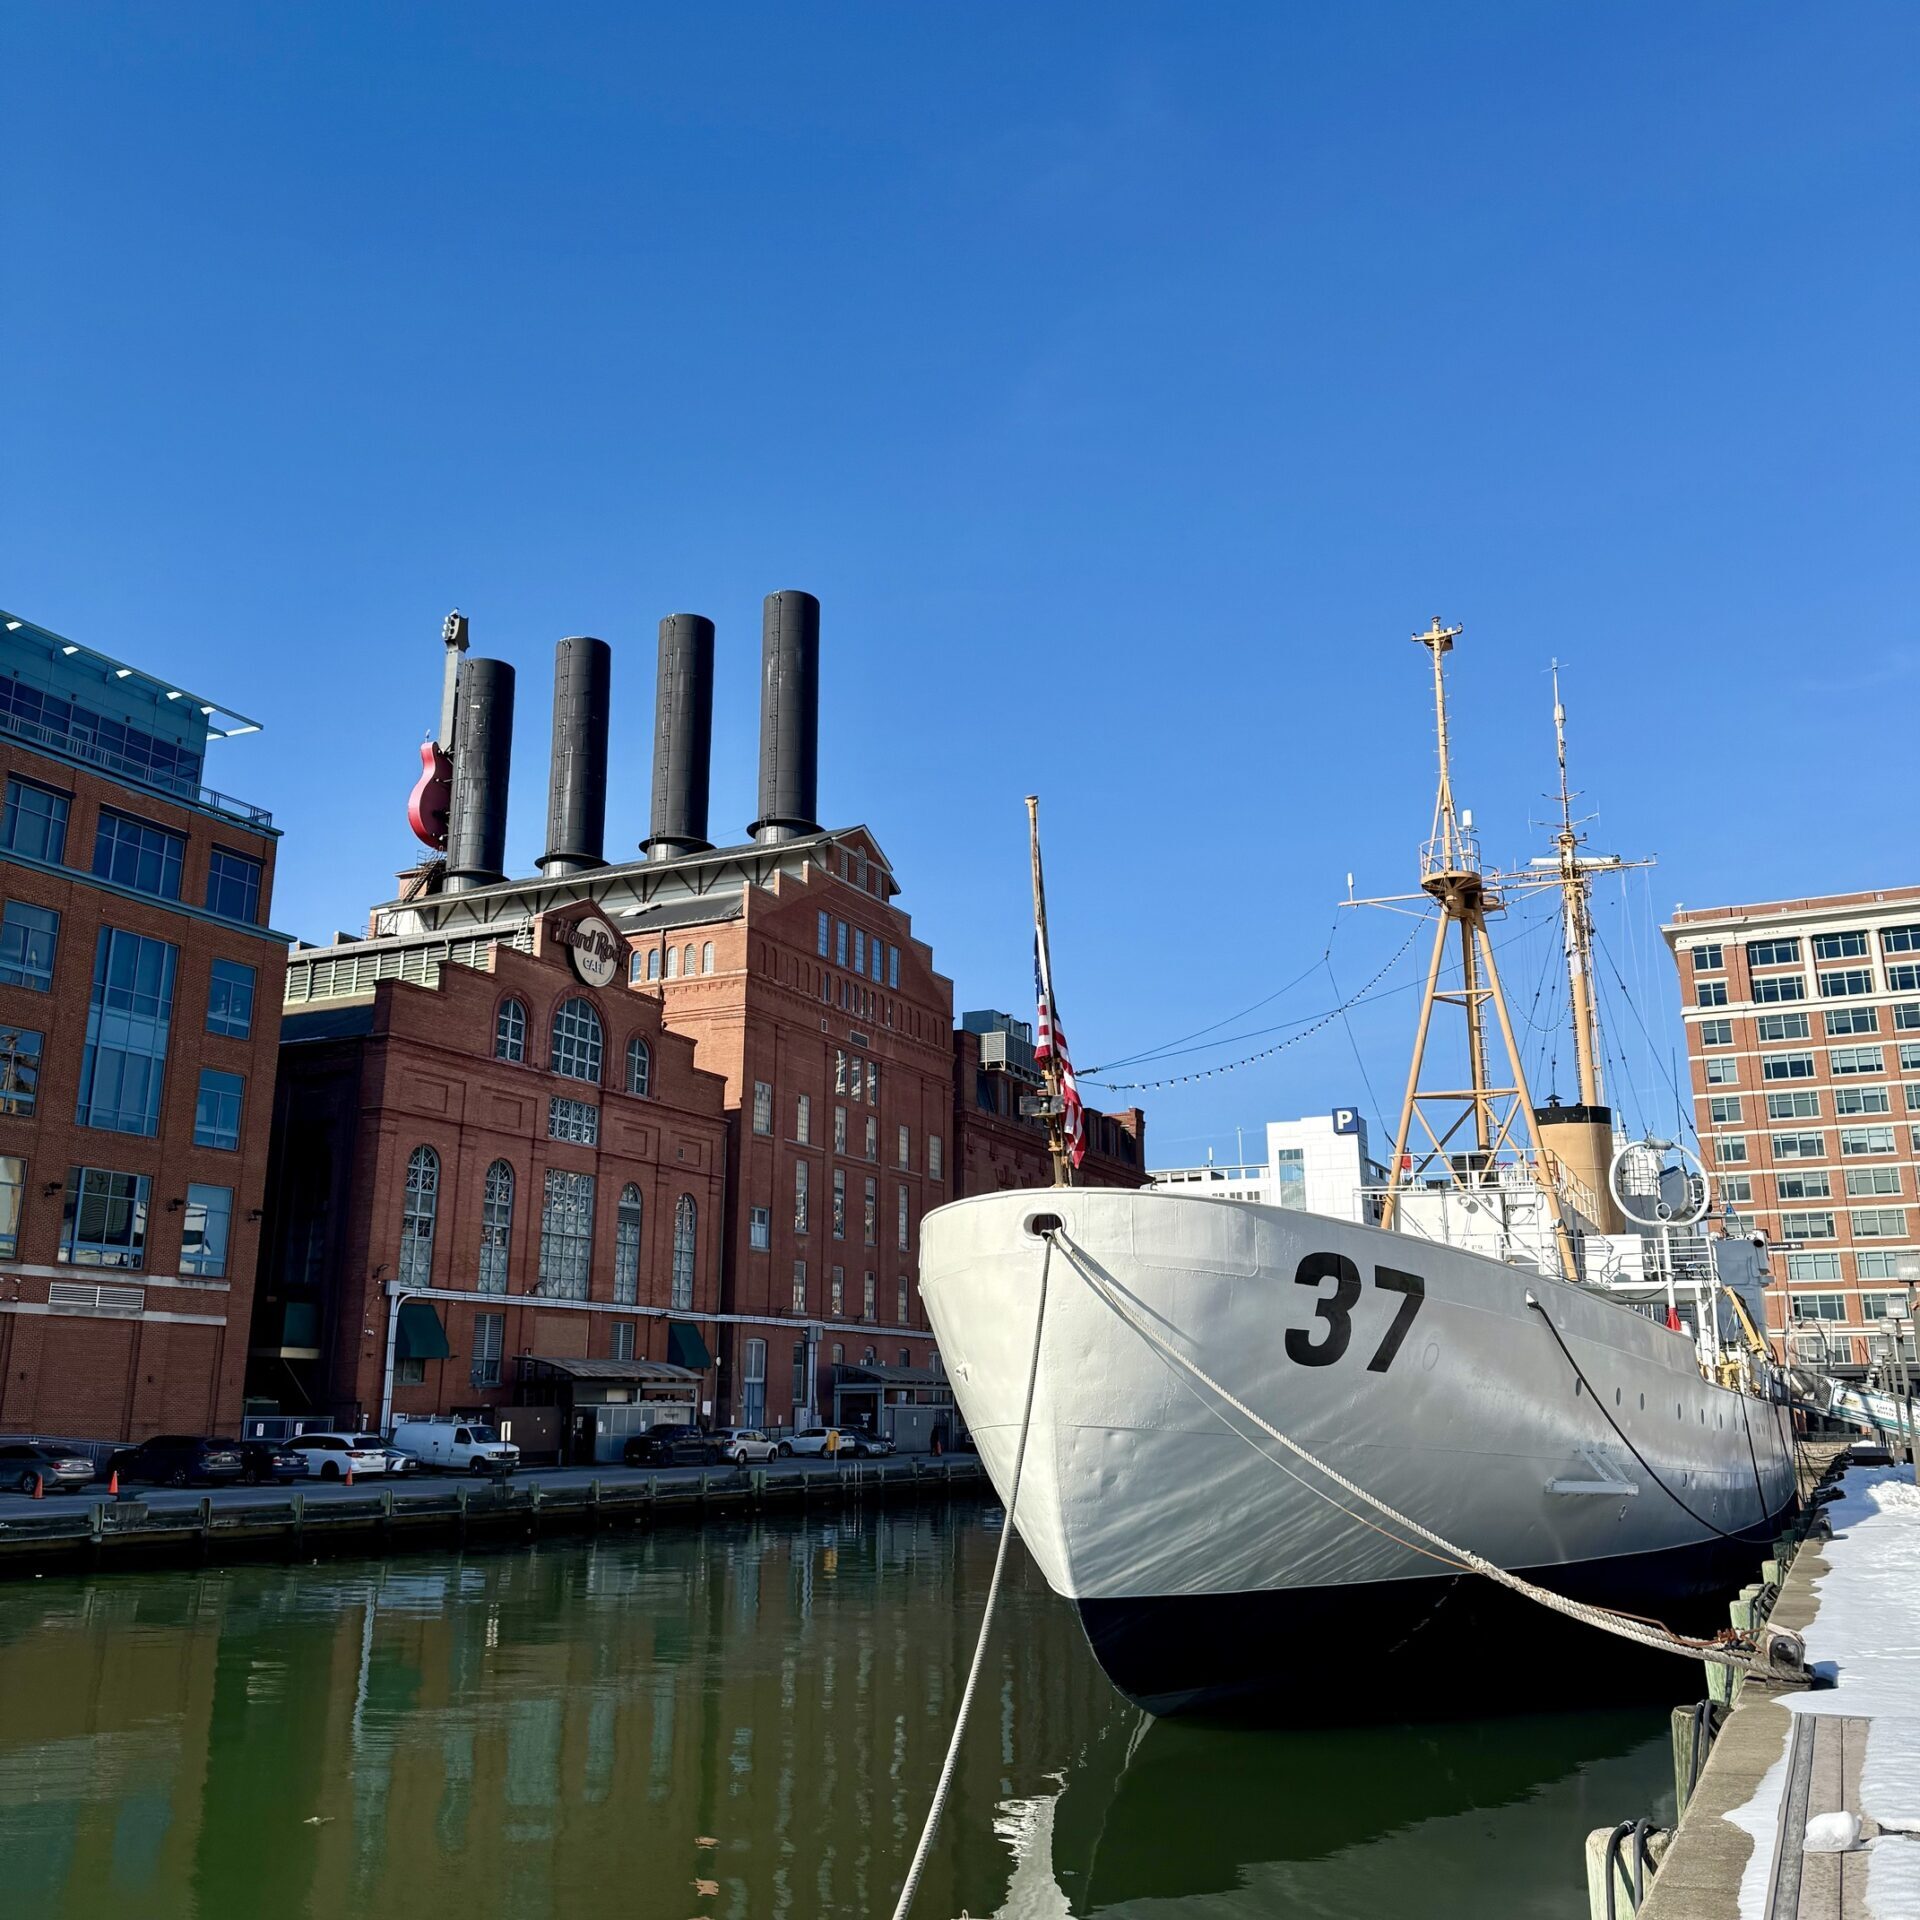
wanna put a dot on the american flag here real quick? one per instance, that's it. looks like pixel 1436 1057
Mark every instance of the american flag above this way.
pixel 1051 1043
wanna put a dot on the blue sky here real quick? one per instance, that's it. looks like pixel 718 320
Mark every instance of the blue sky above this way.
pixel 1129 383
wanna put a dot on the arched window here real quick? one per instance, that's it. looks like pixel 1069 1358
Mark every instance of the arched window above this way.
pixel 639 1066
pixel 653 963
pixel 673 963
pixel 685 1228
pixel 510 1032
pixel 706 957
pixel 689 957
pixel 626 1247
pixel 576 1041
pixel 417 1216
pixel 496 1227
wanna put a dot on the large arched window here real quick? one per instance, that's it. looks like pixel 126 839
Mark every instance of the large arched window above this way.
pixel 510 1031
pixel 576 1041
pixel 627 1223
pixel 417 1217
pixel 685 1231
pixel 639 1066
pixel 496 1227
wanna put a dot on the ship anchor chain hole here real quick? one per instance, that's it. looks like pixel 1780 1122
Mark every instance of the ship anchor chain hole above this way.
pixel 1042 1224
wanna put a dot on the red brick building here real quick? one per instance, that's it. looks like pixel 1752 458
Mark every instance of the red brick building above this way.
pixel 140 989
pixel 1803 1039
pixel 510 1167
pixel 996 1145
pixel 788 967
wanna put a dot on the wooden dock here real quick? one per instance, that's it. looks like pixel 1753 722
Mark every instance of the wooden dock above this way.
pixel 88 1534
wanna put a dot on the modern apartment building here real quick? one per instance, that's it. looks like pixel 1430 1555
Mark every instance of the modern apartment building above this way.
pixel 1320 1162
pixel 1803 1041
pixel 140 988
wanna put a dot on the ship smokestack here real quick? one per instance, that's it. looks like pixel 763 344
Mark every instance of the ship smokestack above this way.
pixel 577 784
pixel 682 738
pixel 789 717
pixel 482 760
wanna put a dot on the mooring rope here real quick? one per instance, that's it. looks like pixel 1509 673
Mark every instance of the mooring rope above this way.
pixel 986 1619
pixel 1645 1633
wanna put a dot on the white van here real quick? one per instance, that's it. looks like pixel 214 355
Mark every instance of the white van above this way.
pixel 456 1446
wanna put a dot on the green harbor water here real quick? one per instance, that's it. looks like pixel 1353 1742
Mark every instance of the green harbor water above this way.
pixel 741 1720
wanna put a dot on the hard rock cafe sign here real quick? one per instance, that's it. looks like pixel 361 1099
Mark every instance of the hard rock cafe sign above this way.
pixel 593 944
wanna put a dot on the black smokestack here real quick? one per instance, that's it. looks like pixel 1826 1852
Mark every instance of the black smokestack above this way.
pixel 682 738
pixel 789 717
pixel 577 785
pixel 482 759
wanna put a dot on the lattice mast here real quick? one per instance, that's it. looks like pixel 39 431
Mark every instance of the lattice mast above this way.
pixel 1499 1117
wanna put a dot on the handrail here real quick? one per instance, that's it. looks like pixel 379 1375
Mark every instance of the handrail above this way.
pixel 122 768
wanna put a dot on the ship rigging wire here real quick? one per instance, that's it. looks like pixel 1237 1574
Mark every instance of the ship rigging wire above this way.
pixel 945 1782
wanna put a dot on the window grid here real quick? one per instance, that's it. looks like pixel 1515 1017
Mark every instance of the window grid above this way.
pixel 510 1032
pixel 566 1235
pixel 104 1218
pixel 685 1230
pixel 629 1219
pixel 496 1227
pixel 577 1041
pixel 419 1210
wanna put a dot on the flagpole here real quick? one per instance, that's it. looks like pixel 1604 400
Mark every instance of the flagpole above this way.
pixel 1056 1113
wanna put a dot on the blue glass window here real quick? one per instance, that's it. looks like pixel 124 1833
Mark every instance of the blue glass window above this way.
pixel 233 886
pixel 216 1115
pixel 137 854
pixel 29 940
pixel 35 822
pixel 124 1062
pixel 203 1240
pixel 103 1222
pixel 230 999
pixel 19 1070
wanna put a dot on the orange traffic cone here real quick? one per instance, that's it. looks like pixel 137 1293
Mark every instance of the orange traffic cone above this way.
pixel 349 1473
pixel 113 1486
pixel 39 1488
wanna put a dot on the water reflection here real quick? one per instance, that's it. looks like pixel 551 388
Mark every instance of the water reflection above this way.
pixel 596 1727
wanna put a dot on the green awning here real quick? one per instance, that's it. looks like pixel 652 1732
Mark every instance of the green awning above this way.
pixel 685 1348
pixel 420 1335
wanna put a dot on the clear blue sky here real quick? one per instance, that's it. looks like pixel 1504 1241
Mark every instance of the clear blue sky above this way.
pixel 1129 383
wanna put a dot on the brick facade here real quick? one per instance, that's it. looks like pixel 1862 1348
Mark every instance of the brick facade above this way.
pixel 367 1082
pixel 120 1333
pixel 997 1147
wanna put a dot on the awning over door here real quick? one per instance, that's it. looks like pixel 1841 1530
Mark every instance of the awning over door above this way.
pixel 685 1348
pixel 420 1336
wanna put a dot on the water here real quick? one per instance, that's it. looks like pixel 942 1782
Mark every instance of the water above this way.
pixel 741 1721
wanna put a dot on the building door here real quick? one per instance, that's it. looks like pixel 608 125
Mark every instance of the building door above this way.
pixel 753 1385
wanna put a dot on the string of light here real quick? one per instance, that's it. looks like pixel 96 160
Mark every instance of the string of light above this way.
pixel 1265 1053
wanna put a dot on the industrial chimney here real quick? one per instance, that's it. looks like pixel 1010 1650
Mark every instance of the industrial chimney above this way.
pixel 789 717
pixel 682 738
pixel 482 759
pixel 577 785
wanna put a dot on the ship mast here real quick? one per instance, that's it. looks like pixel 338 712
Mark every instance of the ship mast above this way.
pixel 1500 1116
pixel 1575 888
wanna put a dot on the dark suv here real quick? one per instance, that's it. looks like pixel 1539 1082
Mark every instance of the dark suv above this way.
pixel 180 1460
pixel 676 1446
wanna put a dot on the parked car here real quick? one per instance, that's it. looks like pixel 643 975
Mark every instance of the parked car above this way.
pixel 180 1460
pixel 835 1440
pixel 742 1444
pixel 675 1445
pixel 398 1459
pixel 26 1464
pixel 332 1456
pixel 455 1446
pixel 264 1460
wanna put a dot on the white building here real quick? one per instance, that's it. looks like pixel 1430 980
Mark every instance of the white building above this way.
pixel 1319 1162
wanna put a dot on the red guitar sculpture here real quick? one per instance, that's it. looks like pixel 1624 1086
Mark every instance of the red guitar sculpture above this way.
pixel 431 797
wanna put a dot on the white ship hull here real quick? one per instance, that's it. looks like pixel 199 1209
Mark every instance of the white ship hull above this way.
pixel 1207 1575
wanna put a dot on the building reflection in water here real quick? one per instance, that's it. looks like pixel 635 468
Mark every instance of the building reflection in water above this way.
pixel 589 1727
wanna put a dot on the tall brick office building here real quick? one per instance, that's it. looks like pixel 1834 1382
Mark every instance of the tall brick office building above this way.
pixel 140 989
pixel 784 959
pixel 1803 1037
